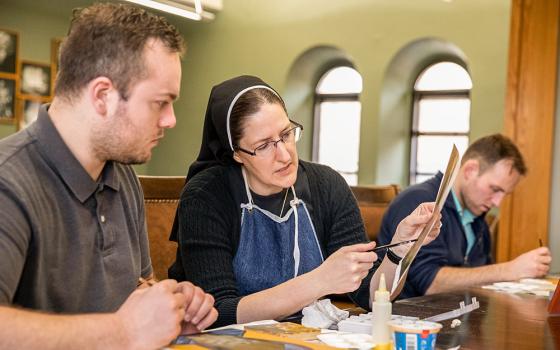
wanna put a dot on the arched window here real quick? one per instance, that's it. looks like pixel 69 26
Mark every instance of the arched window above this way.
pixel 336 127
pixel 441 117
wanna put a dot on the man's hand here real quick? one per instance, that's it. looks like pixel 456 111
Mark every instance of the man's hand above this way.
pixel 533 264
pixel 151 317
pixel 411 226
pixel 199 309
pixel 146 282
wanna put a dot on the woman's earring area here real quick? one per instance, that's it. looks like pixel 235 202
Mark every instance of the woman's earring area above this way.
pixel 237 158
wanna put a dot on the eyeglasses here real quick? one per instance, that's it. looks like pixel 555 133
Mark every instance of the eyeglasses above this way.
pixel 267 149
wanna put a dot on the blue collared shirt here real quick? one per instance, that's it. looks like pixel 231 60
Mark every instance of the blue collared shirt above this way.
pixel 466 219
pixel 447 249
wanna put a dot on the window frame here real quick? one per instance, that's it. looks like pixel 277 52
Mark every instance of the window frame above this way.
pixel 418 95
pixel 320 98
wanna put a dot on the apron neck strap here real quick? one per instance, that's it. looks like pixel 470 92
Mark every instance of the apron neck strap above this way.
pixel 249 197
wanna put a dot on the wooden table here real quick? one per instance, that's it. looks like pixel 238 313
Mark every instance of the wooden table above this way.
pixel 503 321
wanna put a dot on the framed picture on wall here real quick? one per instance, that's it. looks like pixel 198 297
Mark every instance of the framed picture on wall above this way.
pixel 55 51
pixel 7 100
pixel 9 45
pixel 35 79
pixel 28 109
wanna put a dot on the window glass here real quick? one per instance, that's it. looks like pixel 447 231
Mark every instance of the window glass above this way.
pixel 340 133
pixel 433 152
pixel 444 114
pixel 443 76
pixel 340 80
pixel 337 122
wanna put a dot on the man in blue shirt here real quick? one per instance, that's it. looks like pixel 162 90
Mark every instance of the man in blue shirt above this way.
pixel 460 256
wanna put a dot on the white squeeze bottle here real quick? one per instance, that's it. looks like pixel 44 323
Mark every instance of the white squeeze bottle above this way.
pixel 381 308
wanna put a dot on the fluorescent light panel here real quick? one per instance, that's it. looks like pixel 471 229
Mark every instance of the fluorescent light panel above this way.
pixel 172 9
pixel 198 6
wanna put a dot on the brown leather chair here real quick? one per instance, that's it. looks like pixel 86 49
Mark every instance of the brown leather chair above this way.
pixel 161 197
pixel 373 201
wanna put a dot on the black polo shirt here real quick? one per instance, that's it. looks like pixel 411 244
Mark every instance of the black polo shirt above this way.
pixel 67 243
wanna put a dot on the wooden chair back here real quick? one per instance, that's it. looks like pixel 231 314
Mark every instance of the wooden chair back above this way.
pixel 373 201
pixel 161 197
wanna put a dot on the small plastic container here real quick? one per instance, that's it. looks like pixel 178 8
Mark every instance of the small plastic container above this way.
pixel 417 335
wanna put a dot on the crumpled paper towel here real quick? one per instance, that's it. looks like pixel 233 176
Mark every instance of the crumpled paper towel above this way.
pixel 322 314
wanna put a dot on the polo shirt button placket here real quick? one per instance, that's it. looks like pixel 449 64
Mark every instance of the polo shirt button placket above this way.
pixel 102 218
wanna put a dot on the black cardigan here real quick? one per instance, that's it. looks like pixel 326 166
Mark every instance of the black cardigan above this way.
pixel 209 222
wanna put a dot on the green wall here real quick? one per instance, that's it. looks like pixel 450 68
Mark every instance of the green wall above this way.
pixel 265 38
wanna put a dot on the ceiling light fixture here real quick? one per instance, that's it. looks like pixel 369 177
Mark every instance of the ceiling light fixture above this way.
pixel 198 6
pixel 175 8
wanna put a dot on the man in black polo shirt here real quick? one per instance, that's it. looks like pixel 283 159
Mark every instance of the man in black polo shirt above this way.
pixel 72 236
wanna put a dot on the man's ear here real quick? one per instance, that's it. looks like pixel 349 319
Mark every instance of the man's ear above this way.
pixel 237 158
pixel 471 169
pixel 103 95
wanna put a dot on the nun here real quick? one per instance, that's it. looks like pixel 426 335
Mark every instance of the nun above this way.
pixel 267 233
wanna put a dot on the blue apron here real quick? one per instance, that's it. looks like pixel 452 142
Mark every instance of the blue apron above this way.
pixel 270 246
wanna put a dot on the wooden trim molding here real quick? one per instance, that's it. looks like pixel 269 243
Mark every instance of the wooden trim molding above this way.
pixel 529 121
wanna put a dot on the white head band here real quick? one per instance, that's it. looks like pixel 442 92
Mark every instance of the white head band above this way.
pixel 233 103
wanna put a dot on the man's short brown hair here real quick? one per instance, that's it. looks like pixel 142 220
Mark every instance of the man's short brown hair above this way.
pixel 491 149
pixel 108 40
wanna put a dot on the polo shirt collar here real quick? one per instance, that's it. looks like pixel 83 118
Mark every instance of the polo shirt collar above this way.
pixel 465 214
pixel 437 181
pixel 62 161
